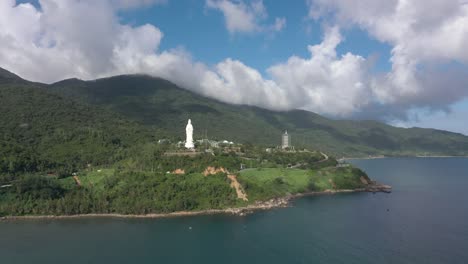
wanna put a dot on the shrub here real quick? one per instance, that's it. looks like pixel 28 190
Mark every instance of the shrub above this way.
pixel 278 180
pixel 312 186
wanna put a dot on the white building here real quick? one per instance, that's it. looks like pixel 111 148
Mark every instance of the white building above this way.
pixel 285 140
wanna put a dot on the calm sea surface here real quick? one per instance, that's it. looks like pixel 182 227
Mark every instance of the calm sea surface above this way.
pixel 424 220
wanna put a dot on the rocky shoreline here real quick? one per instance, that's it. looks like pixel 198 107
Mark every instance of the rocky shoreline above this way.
pixel 240 211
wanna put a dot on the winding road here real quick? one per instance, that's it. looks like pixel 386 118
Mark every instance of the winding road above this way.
pixel 325 157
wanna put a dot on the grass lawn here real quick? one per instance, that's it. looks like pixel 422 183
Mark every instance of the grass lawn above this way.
pixel 259 183
pixel 94 179
pixel 296 178
pixel 266 183
pixel 91 180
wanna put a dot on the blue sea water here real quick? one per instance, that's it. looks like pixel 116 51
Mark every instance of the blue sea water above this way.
pixel 424 220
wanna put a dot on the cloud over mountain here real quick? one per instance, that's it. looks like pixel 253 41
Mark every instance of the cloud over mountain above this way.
pixel 428 57
pixel 428 40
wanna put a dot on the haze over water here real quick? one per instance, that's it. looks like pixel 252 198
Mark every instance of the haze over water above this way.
pixel 424 220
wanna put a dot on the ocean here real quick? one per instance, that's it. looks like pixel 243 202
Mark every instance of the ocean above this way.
pixel 424 220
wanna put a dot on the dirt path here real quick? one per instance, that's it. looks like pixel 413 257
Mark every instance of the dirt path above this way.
pixel 325 157
pixel 236 185
pixel 77 180
pixel 332 183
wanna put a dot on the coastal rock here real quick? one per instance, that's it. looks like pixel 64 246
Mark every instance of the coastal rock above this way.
pixel 363 180
pixel 377 187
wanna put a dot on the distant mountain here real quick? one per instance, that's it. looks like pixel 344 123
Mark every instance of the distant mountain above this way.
pixel 8 77
pixel 161 104
pixel 43 131
pixel 161 108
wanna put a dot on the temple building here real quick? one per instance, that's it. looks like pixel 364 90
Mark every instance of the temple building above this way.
pixel 285 140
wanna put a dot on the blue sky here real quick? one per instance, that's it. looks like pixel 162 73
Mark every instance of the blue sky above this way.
pixel 202 32
pixel 342 59
pixel 189 24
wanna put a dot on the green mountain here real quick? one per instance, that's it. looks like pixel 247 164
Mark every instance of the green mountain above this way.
pixel 75 121
pixel 106 130
pixel 7 77
pixel 163 106
pixel 43 131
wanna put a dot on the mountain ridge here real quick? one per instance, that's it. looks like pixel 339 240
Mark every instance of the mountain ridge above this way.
pixel 7 76
pixel 164 107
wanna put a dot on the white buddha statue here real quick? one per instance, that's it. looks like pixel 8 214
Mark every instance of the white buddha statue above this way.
pixel 189 133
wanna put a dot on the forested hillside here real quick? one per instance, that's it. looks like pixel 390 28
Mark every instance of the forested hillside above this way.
pixel 41 131
pixel 106 131
pixel 164 106
pixel 74 121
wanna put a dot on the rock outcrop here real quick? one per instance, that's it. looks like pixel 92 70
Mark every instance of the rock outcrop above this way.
pixel 213 170
pixel 178 171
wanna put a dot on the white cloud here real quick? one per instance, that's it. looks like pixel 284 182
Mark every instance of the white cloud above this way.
pixel 280 23
pixel 136 3
pixel 325 83
pixel 424 35
pixel 234 82
pixel 245 18
pixel 60 42
pixel 57 41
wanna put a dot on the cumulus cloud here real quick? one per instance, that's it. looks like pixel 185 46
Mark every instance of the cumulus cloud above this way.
pixel 425 36
pixel 57 41
pixel 245 18
pixel 325 83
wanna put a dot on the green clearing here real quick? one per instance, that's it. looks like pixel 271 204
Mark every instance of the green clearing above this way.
pixel 143 192
pixel 95 179
pixel 262 184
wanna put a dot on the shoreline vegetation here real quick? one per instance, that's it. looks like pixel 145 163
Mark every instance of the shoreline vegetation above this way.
pixel 230 178
pixel 410 156
pixel 104 148
pixel 273 203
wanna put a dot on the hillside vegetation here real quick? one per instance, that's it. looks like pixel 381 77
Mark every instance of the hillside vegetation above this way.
pixel 79 147
pixel 65 126
pixel 165 107
pixel 43 132
pixel 154 186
